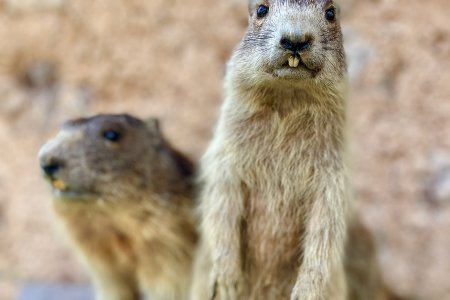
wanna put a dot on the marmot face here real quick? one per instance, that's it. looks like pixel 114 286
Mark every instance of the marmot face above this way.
pixel 104 157
pixel 291 40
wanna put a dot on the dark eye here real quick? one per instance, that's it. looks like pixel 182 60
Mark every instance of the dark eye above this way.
pixel 111 135
pixel 262 11
pixel 330 14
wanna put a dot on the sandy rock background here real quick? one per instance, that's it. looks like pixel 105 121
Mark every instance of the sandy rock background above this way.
pixel 61 59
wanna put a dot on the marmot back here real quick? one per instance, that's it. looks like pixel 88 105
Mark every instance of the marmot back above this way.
pixel 124 196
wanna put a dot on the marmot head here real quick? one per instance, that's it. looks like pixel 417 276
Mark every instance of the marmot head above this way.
pixel 112 157
pixel 292 40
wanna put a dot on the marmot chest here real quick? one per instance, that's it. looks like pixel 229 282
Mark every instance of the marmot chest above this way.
pixel 275 162
pixel 276 182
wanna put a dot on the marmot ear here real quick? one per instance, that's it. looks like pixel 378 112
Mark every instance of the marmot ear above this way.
pixel 153 127
pixel 152 124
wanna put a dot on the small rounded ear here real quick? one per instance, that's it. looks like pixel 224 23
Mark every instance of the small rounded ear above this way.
pixel 153 127
pixel 152 124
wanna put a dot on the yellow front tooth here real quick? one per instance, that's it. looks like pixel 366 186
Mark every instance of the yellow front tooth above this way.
pixel 291 61
pixel 296 62
pixel 60 185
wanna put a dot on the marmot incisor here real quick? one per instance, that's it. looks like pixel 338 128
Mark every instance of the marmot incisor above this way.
pixel 125 198
pixel 274 197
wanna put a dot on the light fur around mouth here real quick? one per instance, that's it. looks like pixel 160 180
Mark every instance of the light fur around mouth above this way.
pixel 293 67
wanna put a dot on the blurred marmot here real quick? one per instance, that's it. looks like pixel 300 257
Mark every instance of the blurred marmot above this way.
pixel 125 198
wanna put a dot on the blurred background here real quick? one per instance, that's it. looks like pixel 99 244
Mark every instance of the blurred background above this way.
pixel 61 59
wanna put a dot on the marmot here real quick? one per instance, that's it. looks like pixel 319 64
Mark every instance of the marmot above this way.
pixel 275 195
pixel 125 198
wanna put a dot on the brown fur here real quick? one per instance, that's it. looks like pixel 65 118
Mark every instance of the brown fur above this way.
pixel 126 205
pixel 274 196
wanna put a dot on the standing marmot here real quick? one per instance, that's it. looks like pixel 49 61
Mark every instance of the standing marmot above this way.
pixel 274 199
pixel 125 198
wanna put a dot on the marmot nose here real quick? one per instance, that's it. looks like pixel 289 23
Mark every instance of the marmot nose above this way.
pixel 51 168
pixel 297 45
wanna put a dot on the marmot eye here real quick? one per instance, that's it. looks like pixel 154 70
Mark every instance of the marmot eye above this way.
pixel 262 11
pixel 330 14
pixel 111 135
